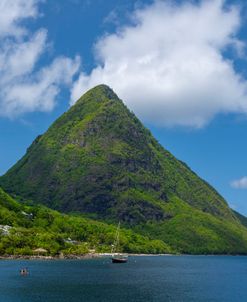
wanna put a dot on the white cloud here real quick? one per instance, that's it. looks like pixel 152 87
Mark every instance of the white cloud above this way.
pixel 23 86
pixel 12 11
pixel 40 93
pixel 18 59
pixel 240 183
pixel 168 66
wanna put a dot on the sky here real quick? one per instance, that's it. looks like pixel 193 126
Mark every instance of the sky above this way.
pixel 179 65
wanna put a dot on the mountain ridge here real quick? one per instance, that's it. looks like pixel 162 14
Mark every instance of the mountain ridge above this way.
pixel 98 159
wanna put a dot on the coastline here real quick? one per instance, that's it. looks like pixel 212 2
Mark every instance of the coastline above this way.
pixel 95 256
pixel 35 257
pixel 71 257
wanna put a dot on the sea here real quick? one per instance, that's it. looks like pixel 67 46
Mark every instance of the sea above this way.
pixel 142 279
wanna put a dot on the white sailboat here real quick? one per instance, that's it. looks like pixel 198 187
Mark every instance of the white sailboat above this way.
pixel 117 257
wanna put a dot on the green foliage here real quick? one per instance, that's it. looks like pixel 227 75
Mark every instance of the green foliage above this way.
pixel 96 155
pixel 241 218
pixel 39 227
pixel 99 160
pixel 195 232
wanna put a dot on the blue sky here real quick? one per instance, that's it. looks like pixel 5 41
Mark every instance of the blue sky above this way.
pixel 181 68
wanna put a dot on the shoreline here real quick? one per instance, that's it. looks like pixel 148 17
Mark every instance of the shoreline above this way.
pixel 95 256
pixel 35 257
pixel 71 257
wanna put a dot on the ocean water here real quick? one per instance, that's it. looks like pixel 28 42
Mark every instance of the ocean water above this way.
pixel 144 279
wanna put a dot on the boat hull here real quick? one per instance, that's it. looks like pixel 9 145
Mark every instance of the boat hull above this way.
pixel 119 260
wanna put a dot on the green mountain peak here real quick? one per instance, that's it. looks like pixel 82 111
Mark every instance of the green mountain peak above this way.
pixel 99 92
pixel 98 159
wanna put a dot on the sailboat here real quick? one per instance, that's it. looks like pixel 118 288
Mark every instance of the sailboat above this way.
pixel 117 257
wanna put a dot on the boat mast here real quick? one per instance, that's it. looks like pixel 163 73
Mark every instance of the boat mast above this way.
pixel 116 241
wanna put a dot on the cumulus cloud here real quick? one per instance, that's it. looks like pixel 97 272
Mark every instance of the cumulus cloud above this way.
pixel 240 183
pixel 23 86
pixel 168 65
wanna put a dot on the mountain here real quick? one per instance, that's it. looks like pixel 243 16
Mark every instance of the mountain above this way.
pixel 24 228
pixel 98 159
pixel 241 218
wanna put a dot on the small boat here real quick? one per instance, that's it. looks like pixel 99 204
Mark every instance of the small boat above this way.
pixel 117 257
pixel 24 272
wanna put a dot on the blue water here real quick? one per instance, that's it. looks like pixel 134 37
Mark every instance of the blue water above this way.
pixel 144 279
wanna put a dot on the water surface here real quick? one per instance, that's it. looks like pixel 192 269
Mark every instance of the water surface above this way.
pixel 144 279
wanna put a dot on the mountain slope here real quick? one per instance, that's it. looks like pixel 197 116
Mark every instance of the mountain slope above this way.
pixel 241 218
pixel 99 159
pixel 23 228
pixel 195 232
